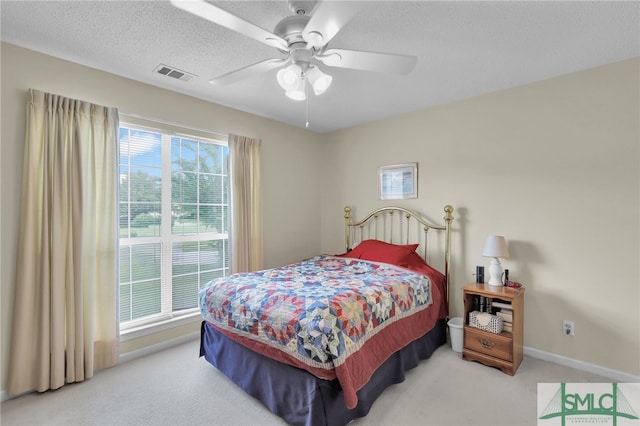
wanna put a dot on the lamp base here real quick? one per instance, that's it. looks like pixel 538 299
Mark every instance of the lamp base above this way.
pixel 495 273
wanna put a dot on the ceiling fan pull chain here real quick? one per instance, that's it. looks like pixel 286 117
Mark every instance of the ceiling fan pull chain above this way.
pixel 306 94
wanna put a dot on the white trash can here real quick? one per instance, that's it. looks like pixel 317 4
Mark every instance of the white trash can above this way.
pixel 455 332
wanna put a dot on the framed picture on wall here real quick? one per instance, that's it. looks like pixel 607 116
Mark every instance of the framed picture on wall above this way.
pixel 398 181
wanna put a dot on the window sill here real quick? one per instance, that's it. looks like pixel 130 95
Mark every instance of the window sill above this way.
pixel 147 329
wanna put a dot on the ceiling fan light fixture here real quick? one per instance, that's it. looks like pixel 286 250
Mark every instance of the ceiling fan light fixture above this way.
pixel 296 95
pixel 319 81
pixel 289 78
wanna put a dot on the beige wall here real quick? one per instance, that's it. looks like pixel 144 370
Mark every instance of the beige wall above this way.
pixel 561 156
pixel 286 153
pixel 554 167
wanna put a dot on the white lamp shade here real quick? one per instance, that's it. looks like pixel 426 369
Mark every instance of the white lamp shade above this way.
pixel 296 95
pixel 289 78
pixel 298 91
pixel 319 81
pixel 495 246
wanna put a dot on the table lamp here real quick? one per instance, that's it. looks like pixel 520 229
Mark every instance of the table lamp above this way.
pixel 495 247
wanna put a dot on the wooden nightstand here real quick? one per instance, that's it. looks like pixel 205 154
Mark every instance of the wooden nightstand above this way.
pixel 502 350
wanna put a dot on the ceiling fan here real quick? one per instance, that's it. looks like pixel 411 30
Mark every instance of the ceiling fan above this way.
pixel 304 36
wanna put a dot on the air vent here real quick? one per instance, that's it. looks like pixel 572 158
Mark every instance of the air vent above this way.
pixel 174 72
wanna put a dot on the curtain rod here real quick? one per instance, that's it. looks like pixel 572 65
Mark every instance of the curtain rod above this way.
pixel 172 123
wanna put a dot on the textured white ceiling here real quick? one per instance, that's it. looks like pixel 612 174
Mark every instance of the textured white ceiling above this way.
pixel 464 49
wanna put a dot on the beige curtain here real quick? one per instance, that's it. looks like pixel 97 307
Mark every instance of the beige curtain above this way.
pixel 65 321
pixel 245 156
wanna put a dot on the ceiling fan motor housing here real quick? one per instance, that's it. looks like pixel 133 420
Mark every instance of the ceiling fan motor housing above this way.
pixel 301 56
pixel 291 27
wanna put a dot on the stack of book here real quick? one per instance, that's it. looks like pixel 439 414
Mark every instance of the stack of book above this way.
pixel 481 304
pixel 504 310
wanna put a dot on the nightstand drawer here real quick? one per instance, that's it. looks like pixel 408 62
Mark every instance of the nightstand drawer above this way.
pixel 491 344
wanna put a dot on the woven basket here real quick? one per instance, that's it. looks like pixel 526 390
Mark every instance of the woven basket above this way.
pixel 485 321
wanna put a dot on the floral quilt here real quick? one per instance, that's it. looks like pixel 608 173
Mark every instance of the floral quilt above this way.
pixel 317 313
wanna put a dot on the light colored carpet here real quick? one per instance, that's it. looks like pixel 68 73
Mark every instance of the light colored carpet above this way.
pixel 175 387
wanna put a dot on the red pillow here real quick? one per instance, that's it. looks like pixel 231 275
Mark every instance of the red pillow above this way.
pixel 415 262
pixel 379 251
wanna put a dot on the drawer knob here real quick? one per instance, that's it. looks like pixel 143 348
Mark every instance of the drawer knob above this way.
pixel 486 343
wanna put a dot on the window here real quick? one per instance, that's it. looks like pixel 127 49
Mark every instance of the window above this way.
pixel 173 221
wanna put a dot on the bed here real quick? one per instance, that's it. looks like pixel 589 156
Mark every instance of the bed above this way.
pixel 319 340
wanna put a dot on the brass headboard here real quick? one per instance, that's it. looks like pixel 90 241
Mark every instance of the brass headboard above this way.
pixel 406 221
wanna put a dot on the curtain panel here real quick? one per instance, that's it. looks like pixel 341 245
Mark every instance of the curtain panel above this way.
pixel 245 157
pixel 65 321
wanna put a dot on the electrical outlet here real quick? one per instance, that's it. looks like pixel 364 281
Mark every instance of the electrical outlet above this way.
pixel 568 328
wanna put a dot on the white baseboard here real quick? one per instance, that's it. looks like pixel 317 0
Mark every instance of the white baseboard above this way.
pixel 618 376
pixel 148 350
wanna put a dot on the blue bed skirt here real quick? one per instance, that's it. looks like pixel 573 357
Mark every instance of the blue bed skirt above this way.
pixel 299 397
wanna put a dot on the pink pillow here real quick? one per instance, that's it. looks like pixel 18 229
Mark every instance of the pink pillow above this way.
pixel 379 251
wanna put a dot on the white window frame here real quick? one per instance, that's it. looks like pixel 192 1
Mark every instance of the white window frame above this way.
pixel 167 318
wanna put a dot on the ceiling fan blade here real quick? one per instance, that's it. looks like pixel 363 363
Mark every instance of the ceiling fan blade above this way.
pixel 248 71
pixel 368 61
pixel 327 19
pixel 223 18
